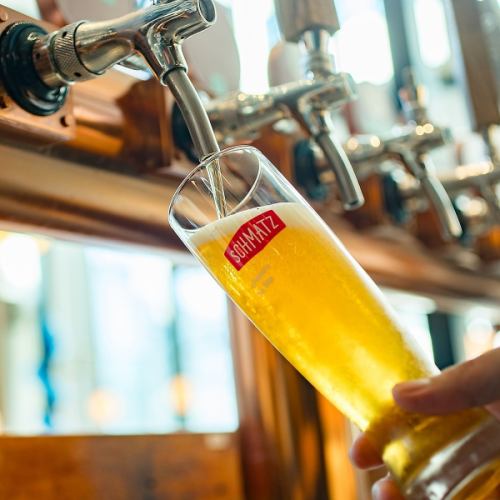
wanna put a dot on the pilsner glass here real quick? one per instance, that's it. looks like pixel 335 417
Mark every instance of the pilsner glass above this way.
pixel 287 271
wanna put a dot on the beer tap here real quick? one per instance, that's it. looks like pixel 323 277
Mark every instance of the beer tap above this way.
pixel 412 147
pixel 476 197
pixel 37 68
pixel 312 24
pixel 241 116
pixel 408 145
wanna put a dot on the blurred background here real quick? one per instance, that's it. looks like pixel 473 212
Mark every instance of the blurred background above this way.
pixel 107 339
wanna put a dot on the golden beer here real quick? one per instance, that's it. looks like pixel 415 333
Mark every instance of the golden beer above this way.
pixel 325 315
pixel 292 277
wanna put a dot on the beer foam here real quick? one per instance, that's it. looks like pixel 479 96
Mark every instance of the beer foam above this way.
pixel 293 214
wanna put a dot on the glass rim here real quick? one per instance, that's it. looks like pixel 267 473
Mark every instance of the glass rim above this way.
pixel 204 164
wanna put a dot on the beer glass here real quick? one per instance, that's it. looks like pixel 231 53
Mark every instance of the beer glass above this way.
pixel 287 271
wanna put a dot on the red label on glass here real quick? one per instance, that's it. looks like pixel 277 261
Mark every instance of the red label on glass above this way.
pixel 252 237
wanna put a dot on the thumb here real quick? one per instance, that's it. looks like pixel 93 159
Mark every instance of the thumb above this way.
pixel 473 383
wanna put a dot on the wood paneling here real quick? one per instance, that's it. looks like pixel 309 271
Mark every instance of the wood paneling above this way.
pixel 159 467
pixel 63 199
pixel 342 477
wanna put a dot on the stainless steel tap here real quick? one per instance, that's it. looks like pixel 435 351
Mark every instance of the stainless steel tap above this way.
pixel 473 190
pixel 310 103
pixel 85 50
pixel 406 146
pixel 410 145
pixel 413 154
pixel 312 23
pixel 473 187
pixel 423 170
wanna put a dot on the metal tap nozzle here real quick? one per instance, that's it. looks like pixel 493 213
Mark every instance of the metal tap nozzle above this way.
pixel 410 145
pixel 37 68
pixel 422 169
pixel 85 50
pixel 481 178
pixel 241 115
pixel 320 126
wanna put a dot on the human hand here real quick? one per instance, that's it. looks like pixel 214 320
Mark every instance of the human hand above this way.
pixel 468 385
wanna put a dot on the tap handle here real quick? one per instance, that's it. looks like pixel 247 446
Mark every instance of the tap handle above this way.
pixel 295 17
pixel 436 193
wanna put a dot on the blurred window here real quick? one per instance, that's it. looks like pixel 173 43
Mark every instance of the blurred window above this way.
pixel 250 20
pixel 111 340
pixel 432 33
pixel 362 47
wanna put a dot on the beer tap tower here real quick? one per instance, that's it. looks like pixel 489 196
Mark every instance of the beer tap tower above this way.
pixel 37 68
